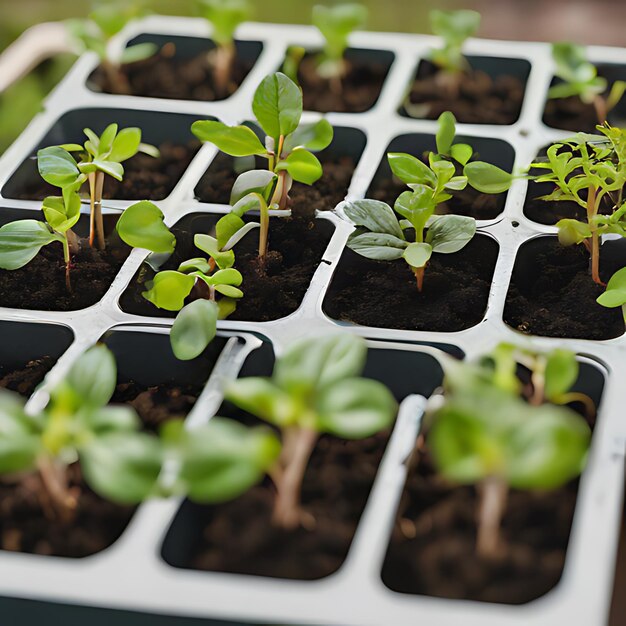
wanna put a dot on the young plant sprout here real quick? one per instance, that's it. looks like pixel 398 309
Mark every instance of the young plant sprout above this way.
pixel 492 431
pixel 203 279
pixel 580 78
pixel 441 173
pixel 291 64
pixel 118 462
pixel 615 294
pixel 21 241
pixel 315 388
pixel 336 23
pixel 590 171
pixel 225 16
pixel 288 146
pixel 98 157
pixel 454 27
pixel 106 19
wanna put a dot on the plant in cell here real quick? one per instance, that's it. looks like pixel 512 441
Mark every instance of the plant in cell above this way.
pixel 224 16
pixel 589 170
pixel 336 23
pixel 213 285
pixel 578 77
pixel 98 157
pixel 615 293
pixel 315 388
pixel 454 28
pixel 288 146
pixel 291 64
pixel 492 431
pixel 106 19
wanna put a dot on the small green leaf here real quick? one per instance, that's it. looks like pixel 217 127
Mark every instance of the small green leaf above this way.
pixel 228 276
pixel 561 373
pixel 313 137
pixel 225 16
pixel 572 232
pixel 57 166
pixel 417 254
pixel 138 52
pixel 461 152
pixel 377 246
pixel 277 105
pixel 252 181
pixel 410 169
pixel 336 23
pixel 303 166
pixel 141 225
pixel 376 216
pixel 615 294
pixel 487 178
pixel 125 144
pixel 229 291
pixel 445 132
pixel 194 328
pixel 106 139
pixel 237 141
pixel 450 233
pixel 208 244
pixel 169 289
pixel 615 95
pixel 60 214
pixel 226 227
pixel 93 377
pixel 261 397
pixel 21 241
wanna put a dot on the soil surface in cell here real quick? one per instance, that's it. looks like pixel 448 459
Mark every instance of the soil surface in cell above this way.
pixel 156 404
pixel 357 91
pixel 469 201
pixel 239 537
pixel 41 283
pixel 553 295
pixel 479 98
pixel 28 525
pixel 145 177
pixel 216 184
pixel 166 75
pixel 384 293
pixel 272 290
pixel 24 380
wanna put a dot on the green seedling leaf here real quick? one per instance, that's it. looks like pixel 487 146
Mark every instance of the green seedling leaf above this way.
pixel 21 241
pixel 169 289
pixel 208 244
pixel 450 233
pixel 252 181
pixel 138 52
pixel 336 23
pixel 115 170
pixel 572 232
pixel 237 141
pixel 263 398
pixel 93 377
pixel 410 169
pixel 561 373
pixel 445 133
pixel 194 328
pixel 62 215
pixel 225 16
pixel 142 225
pixel 302 166
pixel 377 246
pixel 226 228
pixel 57 167
pixel 487 178
pixel 417 254
pixel 125 144
pixel 277 105
pixel 615 294
pixel 376 216
pixel 313 137
pixel 461 152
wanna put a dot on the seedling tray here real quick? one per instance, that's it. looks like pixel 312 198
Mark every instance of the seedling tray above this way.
pixel 132 574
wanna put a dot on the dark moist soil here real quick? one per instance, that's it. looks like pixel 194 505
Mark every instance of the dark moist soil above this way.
pixel 360 87
pixel 145 178
pixel 24 526
pixel 480 206
pixel 41 284
pixel 238 536
pixel 296 248
pixel 217 182
pixel 570 114
pixel 432 550
pixel 24 380
pixel 384 293
pixel 157 404
pixel 555 296
pixel 481 99
pixel 167 76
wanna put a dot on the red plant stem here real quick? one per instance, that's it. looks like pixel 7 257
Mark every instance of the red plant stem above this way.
pixel 97 209
pixel 419 277
pixel 599 104
pixel 592 210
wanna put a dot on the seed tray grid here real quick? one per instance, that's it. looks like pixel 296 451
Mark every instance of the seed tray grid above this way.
pixel 355 595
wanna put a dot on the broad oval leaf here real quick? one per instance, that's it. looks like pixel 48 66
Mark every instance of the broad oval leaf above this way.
pixel 313 137
pixel 168 290
pixel 277 105
pixel 410 169
pixel 378 246
pixel 450 233
pixel 208 244
pixel 226 227
pixel 302 165
pixel 57 166
pixel 237 141
pixel 142 225
pixel 125 144
pixel 194 328
pixel 445 132
pixel 252 181
pixel 21 241
pixel 572 232
pixel 561 373
pixel 376 216
pixel 487 178
pixel 417 254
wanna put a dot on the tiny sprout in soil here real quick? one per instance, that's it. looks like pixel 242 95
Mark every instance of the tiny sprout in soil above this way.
pixel 580 78
pixel 336 23
pixel 589 170
pixel 315 388
pixel 289 147
pixel 98 157
pixel 107 19
pixel 498 433
pixel 225 16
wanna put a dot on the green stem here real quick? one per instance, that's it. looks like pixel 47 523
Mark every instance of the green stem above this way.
pixel 66 258
pixel 493 492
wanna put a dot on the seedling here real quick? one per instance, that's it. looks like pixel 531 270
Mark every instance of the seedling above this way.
pixel 288 146
pixel 106 19
pixel 580 78
pixel 454 27
pixel 590 171
pixel 615 294
pixel 336 23
pixel 315 388
pixel 487 433
pixel 225 16
pixel 203 279
pixel 21 241
pixel 99 156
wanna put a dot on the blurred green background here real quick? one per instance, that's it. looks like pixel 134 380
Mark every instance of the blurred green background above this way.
pixel 585 21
